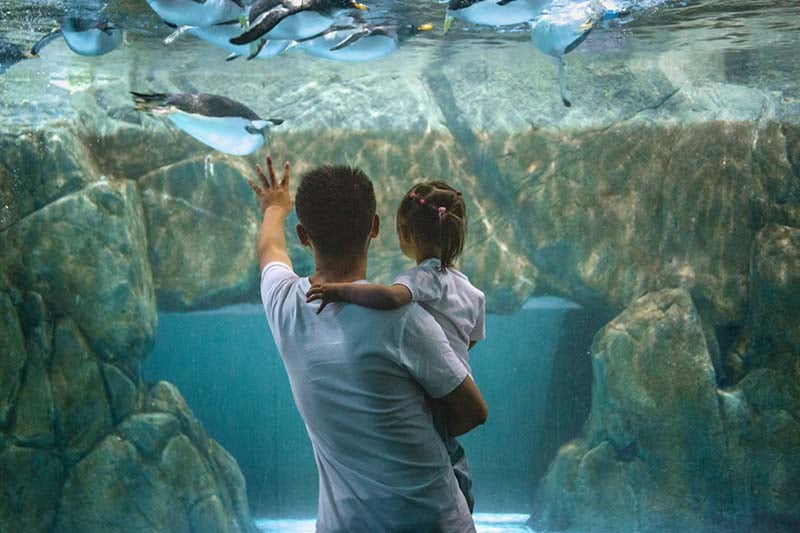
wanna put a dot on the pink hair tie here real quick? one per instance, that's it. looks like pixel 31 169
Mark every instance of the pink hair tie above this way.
pixel 441 211
pixel 413 195
pixel 422 201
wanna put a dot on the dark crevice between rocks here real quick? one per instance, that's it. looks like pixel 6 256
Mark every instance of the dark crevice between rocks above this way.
pixel 569 398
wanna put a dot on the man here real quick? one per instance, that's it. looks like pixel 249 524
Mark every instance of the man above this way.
pixel 359 376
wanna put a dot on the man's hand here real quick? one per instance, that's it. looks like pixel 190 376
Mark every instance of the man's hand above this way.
pixel 271 193
pixel 276 203
pixel 327 292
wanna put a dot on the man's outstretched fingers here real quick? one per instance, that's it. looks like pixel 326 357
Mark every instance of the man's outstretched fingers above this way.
pixel 273 180
pixel 286 173
pixel 260 172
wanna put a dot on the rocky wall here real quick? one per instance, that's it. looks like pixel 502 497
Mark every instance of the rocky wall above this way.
pixel 85 445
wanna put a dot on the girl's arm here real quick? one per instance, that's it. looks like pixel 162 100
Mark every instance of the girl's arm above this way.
pixel 364 294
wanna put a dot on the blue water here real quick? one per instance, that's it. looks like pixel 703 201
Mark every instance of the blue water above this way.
pixel 227 367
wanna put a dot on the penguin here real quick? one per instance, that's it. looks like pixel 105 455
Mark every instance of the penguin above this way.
pixel 219 122
pixel 562 29
pixel 292 19
pixel 84 36
pixel 359 43
pixel 219 35
pixel 197 12
pixel 11 54
pixel 493 12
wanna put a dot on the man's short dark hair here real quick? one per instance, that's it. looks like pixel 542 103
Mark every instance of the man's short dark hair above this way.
pixel 336 206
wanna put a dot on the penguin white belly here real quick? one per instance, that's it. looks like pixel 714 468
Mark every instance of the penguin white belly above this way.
pixel 365 49
pixel 300 26
pixel 92 42
pixel 226 134
pixel 220 36
pixel 487 12
pixel 189 13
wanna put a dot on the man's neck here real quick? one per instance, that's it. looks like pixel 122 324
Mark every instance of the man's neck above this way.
pixel 338 270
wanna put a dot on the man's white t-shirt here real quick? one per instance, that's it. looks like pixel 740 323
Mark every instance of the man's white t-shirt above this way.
pixel 359 379
pixel 456 304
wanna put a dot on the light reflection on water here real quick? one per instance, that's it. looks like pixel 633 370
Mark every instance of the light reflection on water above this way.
pixel 484 523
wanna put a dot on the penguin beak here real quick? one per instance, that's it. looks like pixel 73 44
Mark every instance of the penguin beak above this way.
pixel 448 21
pixel 425 27
pixel 359 5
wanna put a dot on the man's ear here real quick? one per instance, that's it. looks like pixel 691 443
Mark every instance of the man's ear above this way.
pixel 302 234
pixel 376 226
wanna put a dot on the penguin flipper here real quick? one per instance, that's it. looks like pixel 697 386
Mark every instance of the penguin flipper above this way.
pixel 504 2
pixel 588 27
pixel 262 24
pixel 44 41
pixel 177 33
pixel 256 47
pixel 350 39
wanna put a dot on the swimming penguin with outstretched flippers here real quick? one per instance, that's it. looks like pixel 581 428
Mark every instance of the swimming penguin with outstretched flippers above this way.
pixel 292 19
pixel 493 12
pixel 84 36
pixel 11 54
pixel 197 12
pixel 563 28
pixel 366 42
pixel 219 35
pixel 219 122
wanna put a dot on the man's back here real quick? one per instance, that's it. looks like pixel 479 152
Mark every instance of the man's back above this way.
pixel 359 379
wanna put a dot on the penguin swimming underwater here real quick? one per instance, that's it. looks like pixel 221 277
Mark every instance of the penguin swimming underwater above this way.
pixel 84 36
pixel 11 54
pixel 219 35
pixel 197 12
pixel 219 122
pixel 292 19
pixel 562 29
pixel 493 12
pixel 359 43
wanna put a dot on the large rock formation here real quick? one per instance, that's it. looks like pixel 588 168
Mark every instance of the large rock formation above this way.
pixel 84 444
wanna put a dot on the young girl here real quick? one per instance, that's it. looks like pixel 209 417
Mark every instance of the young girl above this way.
pixel 431 226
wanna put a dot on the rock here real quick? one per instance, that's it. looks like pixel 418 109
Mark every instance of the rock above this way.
pixel 83 415
pixel 209 515
pixel 654 434
pixel 34 413
pixel 191 208
pixel 235 497
pixel 149 432
pixel 112 491
pixel 86 254
pixel 14 356
pixel 775 293
pixel 185 469
pixel 38 167
pixel 123 394
pixel 31 485
pixel 164 397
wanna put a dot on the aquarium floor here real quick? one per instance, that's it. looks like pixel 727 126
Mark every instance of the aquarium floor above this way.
pixel 484 523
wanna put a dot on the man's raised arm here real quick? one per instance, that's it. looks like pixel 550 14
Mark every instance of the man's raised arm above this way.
pixel 276 203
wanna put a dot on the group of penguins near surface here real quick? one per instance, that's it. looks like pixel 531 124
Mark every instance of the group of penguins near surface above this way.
pixel 324 28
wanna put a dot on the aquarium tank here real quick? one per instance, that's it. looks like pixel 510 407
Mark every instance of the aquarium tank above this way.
pixel 631 175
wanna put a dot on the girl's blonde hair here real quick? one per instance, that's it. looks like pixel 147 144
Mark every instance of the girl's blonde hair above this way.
pixel 434 213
